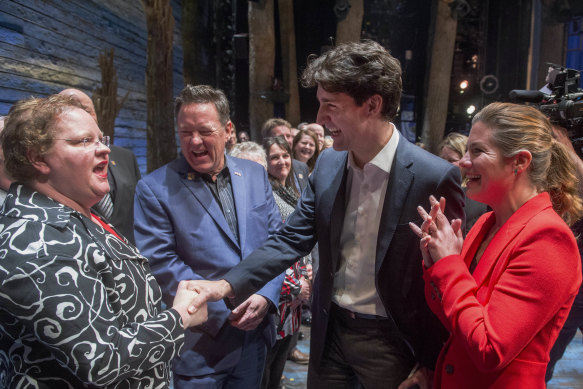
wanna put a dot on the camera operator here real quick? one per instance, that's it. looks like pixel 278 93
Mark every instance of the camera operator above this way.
pixel 575 319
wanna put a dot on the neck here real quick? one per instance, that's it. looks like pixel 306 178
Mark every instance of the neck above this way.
pixel 48 190
pixel 511 203
pixel 381 135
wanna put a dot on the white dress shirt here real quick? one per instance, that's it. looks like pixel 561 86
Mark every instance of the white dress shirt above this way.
pixel 354 283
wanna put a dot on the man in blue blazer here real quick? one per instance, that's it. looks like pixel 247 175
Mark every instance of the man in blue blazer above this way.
pixel 371 326
pixel 198 217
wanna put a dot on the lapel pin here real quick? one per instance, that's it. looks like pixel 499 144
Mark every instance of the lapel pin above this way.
pixel 190 176
pixel 238 174
pixel 113 163
pixel 300 176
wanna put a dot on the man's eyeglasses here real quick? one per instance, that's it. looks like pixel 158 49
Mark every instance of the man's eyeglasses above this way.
pixel 88 141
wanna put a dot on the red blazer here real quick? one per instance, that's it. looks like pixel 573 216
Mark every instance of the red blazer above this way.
pixel 504 318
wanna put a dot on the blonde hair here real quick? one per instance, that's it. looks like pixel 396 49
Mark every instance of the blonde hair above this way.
pixel 519 127
pixel 455 141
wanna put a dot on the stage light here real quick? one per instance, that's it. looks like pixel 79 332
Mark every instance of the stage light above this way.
pixel 471 109
pixel 464 84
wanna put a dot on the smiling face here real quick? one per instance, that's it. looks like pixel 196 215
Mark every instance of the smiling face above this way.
pixel 74 173
pixel 305 148
pixel 488 173
pixel 278 163
pixel 346 121
pixel 203 137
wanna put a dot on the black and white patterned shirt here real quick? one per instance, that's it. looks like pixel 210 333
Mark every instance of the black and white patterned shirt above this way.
pixel 78 307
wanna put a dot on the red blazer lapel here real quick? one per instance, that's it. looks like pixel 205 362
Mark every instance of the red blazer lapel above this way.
pixel 491 266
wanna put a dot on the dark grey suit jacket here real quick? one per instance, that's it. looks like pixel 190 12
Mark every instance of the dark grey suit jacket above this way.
pixel 415 175
pixel 123 174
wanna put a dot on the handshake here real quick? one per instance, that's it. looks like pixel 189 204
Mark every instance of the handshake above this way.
pixel 192 296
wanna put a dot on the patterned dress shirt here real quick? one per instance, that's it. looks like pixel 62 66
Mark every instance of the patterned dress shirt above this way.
pixel 78 307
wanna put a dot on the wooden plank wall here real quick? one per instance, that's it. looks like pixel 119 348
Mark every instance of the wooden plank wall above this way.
pixel 50 45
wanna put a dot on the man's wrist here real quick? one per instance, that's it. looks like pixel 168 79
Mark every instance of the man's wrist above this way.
pixel 225 289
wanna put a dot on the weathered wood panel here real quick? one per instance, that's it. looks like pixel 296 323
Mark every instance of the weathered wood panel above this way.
pixel 50 45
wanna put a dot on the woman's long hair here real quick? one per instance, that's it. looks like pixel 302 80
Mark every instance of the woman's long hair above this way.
pixel 289 180
pixel 519 127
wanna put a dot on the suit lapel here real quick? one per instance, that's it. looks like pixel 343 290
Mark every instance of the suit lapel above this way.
pixel 400 180
pixel 338 186
pixel 494 254
pixel 240 198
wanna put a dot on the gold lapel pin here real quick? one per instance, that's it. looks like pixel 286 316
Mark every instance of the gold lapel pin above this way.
pixel 113 163
pixel 190 176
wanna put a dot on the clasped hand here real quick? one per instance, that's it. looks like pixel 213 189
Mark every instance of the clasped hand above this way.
pixel 183 303
pixel 439 237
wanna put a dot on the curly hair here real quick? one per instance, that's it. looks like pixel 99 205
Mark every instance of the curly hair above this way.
pixel 359 69
pixel 519 127
pixel 251 151
pixel 30 125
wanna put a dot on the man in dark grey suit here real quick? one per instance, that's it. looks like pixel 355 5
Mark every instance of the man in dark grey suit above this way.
pixel 371 326
pixel 123 174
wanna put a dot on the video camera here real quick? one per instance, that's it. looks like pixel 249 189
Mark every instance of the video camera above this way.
pixel 564 106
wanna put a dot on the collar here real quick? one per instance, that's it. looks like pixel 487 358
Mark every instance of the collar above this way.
pixel 191 174
pixel 384 159
pixel 25 203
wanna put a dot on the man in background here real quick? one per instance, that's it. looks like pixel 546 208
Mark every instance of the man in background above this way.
pixel 5 181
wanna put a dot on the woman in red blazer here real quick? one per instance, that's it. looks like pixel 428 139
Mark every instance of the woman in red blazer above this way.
pixel 505 292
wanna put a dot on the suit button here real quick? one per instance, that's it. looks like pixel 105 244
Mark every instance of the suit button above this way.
pixel 449 369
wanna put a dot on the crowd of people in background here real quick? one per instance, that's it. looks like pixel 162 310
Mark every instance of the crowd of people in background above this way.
pixel 455 270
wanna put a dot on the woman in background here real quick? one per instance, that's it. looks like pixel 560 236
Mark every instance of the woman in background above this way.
pixel 452 149
pixel 297 285
pixel 505 291
pixel 305 148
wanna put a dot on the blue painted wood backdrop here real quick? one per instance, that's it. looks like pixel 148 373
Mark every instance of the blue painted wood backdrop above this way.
pixel 49 45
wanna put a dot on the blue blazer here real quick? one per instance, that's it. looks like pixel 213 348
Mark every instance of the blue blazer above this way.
pixel 319 217
pixel 181 228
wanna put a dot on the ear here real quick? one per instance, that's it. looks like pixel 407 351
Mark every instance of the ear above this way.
pixel 228 130
pixel 375 104
pixel 38 162
pixel 522 161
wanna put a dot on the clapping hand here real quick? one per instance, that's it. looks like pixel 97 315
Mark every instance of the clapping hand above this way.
pixel 439 238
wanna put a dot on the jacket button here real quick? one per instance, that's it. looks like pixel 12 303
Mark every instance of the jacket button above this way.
pixel 449 369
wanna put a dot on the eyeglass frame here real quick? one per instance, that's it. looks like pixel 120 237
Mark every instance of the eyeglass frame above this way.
pixel 104 140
